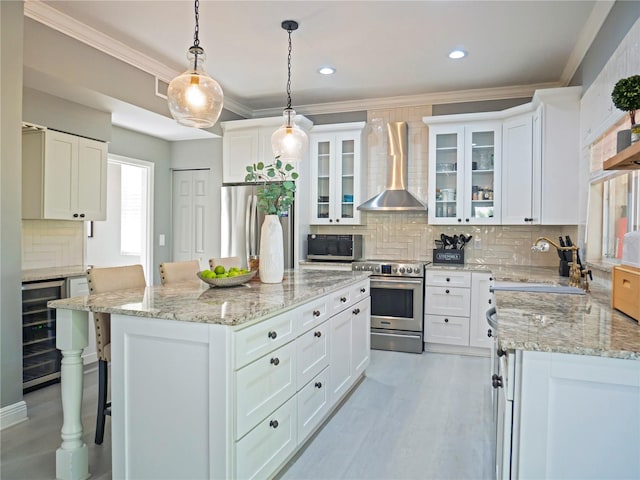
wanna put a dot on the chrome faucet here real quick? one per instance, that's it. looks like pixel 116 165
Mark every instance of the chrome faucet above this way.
pixel 576 273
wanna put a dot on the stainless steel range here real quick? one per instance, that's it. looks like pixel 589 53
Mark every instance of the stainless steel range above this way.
pixel 397 304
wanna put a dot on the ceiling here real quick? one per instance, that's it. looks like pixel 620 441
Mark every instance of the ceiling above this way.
pixel 380 49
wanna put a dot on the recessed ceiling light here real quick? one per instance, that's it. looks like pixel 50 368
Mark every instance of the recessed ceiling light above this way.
pixel 456 54
pixel 327 70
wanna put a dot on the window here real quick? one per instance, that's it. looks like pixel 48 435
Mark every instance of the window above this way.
pixel 133 220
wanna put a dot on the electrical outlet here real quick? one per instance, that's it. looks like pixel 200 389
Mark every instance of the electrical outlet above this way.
pixel 477 243
pixel 161 240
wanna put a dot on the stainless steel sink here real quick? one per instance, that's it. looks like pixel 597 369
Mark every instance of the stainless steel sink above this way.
pixel 535 287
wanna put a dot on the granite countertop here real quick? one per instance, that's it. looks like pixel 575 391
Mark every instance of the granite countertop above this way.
pixel 564 323
pixel 197 302
pixel 50 273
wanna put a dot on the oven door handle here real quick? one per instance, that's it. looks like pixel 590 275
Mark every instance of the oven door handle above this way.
pixel 392 283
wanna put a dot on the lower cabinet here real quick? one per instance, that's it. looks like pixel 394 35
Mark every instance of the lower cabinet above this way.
pixel 455 306
pixel 314 401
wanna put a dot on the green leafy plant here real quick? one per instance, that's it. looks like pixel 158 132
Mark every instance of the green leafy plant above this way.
pixel 626 96
pixel 277 186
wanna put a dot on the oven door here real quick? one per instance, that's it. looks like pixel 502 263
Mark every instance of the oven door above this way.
pixel 396 303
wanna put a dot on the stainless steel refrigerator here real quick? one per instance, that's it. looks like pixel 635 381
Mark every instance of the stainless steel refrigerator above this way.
pixel 241 222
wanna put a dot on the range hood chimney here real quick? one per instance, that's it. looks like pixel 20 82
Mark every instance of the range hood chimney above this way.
pixel 395 197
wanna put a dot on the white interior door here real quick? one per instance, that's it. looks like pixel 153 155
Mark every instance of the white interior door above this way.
pixel 192 229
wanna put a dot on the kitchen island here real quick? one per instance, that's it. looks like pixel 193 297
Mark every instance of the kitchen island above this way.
pixel 216 382
pixel 567 386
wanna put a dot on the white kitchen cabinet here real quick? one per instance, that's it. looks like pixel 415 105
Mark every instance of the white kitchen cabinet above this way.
pixel 64 177
pixel 540 180
pixel 464 172
pixel 481 301
pixel 455 306
pixel 337 173
pixel 262 389
pixel 78 287
pixel 574 416
pixel 245 142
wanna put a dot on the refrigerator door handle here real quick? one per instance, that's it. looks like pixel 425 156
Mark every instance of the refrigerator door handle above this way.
pixel 247 227
pixel 253 225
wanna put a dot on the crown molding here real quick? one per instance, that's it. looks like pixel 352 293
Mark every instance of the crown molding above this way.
pixel 459 96
pixel 588 34
pixel 52 18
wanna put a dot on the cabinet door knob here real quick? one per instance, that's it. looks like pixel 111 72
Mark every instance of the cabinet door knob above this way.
pixel 446 320
pixel 316 313
pixel 496 381
pixel 318 384
pixel 272 334
pixel 317 334
pixel 337 220
pixel 500 352
pixel 331 220
pixel 356 311
pixel 446 291
pixel 466 220
pixel 75 215
pixel 273 423
pixel 448 279
pixel 362 290
pixel 489 301
pixel 459 220
pixel 343 299
pixel 489 333
pixel 275 361
pixel 82 215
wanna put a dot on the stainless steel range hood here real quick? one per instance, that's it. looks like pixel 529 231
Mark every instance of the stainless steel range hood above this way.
pixel 395 196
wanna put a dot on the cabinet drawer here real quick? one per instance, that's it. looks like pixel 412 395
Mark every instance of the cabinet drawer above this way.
pixel 360 291
pixel 626 291
pixel 262 338
pixel 446 329
pixel 263 449
pixel 313 404
pixel 341 300
pixel 313 353
pixel 311 314
pixel 447 301
pixel 263 386
pixel 448 278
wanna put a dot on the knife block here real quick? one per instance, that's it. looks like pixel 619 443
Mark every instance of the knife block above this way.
pixel 564 267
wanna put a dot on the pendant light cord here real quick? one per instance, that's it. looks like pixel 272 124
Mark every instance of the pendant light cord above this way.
pixel 288 72
pixel 196 40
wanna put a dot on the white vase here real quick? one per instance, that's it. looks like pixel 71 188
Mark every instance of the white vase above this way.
pixel 271 250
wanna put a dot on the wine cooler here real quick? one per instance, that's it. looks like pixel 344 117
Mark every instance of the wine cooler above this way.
pixel 40 358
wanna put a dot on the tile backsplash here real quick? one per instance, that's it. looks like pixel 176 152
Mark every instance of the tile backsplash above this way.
pixel 52 243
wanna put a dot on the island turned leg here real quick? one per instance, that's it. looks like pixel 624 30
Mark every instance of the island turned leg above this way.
pixel 72 458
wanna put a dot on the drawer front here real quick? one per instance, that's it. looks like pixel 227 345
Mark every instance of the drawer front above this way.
pixel 263 449
pixel 446 329
pixel 263 386
pixel 448 278
pixel 626 292
pixel 341 300
pixel 262 338
pixel 447 301
pixel 360 291
pixel 313 353
pixel 313 404
pixel 311 314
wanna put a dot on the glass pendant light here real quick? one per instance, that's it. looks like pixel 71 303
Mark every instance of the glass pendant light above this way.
pixel 195 99
pixel 289 142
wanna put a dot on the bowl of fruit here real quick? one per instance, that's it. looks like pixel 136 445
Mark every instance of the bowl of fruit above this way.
pixel 221 277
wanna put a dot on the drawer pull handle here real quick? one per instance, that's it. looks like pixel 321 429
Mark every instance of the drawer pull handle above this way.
pixel 275 361
pixel 343 299
pixel 496 381
pixel 272 334
pixel 362 290
pixel 489 333
pixel 446 291
pixel 273 423
pixel 317 334
pixel 318 384
pixel 75 215
pixel 356 311
pixel 489 301
pixel 448 279
pixel 316 313
pixel 446 320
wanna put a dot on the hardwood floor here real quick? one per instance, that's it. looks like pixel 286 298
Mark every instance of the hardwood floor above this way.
pixel 413 417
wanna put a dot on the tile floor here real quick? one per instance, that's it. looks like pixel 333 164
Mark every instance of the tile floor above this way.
pixel 413 417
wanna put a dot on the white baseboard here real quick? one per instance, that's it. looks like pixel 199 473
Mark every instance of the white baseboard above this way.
pixel 457 349
pixel 13 414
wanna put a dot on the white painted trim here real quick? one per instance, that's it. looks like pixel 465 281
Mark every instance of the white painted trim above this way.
pixel 150 168
pixel 13 414
pixel 598 15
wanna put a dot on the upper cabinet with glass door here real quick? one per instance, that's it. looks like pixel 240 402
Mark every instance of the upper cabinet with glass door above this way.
pixel 337 173
pixel 464 167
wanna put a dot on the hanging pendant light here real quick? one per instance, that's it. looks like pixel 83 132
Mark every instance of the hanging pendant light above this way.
pixel 195 99
pixel 289 142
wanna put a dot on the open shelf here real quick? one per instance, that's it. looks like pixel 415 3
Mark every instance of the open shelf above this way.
pixel 627 159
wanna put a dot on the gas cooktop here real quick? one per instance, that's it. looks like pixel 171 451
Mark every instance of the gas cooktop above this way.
pixel 392 268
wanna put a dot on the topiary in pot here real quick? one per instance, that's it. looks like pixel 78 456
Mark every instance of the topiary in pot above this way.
pixel 626 96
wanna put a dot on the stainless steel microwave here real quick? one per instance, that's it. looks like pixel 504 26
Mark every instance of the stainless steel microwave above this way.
pixel 334 247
